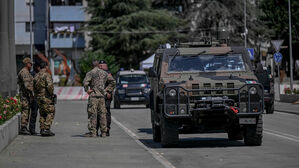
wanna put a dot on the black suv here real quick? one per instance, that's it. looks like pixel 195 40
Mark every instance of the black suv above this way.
pixel 132 87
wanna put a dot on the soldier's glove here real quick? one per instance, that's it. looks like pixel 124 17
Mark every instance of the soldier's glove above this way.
pixel 54 98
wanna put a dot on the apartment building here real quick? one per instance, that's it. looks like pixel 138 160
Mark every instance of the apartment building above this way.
pixel 57 36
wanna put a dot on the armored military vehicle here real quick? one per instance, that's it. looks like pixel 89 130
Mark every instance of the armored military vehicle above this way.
pixel 205 90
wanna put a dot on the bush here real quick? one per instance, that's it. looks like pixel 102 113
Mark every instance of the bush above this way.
pixel 288 91
pixel 8 108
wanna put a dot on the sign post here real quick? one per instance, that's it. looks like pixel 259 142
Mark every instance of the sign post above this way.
pixel 251 53
pixel 277 58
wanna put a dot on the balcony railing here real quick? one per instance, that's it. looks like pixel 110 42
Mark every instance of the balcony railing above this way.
pixel 67 40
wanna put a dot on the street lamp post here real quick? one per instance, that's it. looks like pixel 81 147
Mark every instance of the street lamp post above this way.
pixel 245 27
pixel 291 51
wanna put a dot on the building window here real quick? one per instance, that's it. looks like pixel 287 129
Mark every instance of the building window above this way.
pixel 66 2
pixel 27 27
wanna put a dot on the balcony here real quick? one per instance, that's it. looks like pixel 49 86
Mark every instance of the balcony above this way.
pixel 67 40
pixel 67 14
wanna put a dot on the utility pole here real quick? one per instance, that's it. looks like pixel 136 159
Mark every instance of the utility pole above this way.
pixel 245 27
pixel 30 17
pixel 291 51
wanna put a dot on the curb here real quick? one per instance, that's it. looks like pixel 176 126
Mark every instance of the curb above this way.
pixel 9 131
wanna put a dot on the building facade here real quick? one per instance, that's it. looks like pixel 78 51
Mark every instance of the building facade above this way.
pixel 57 35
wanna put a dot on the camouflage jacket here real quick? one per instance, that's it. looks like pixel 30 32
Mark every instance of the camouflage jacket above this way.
pixel 96 80
pixel 25 81
pixel 43 85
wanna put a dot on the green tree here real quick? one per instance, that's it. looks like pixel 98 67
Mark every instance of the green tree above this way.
pixel 86 62
pixel 129 30
pixel 220 18
pixel 275 15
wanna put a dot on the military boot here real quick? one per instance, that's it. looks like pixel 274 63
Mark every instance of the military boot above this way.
pixel 42 131
pixel 33 132
pixel 103 135
pixel 89 134
pixel 48 132
pixel 24 131
pixel 51 133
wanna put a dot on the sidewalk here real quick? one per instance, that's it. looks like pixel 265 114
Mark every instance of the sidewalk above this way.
pixel 69 150
pixel 286 107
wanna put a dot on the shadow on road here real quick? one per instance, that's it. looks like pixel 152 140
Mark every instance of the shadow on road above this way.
pixel 125 108
pixel 145 130
pixel 78 136
pixel 197 143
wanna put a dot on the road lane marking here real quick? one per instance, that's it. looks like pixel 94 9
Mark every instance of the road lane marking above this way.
pixel 283 113
pixel 154 153
pixel 282 135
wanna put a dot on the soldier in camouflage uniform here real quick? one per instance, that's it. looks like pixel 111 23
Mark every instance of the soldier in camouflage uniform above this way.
pixel 94 85
pixel 34 105
pixel 44 92
pixel 103 65
pixel 25 81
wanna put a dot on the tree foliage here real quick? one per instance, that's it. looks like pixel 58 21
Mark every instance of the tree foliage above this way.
pixel 86 62
pixel 275 15
pixel 129 30
pixel 218 16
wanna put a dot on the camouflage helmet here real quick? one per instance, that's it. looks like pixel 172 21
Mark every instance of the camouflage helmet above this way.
pixel 27 60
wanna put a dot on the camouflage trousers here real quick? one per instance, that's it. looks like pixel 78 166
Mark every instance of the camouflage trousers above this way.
pixel 25 113
pixel 47 112
pixel 96 110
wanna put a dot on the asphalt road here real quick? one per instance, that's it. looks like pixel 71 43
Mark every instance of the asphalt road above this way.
pixel 131 145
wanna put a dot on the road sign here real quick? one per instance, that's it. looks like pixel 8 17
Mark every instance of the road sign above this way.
pixel 277 57
pixel 251 53
pixel 276 44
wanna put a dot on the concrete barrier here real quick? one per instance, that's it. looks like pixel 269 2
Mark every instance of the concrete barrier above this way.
pixel 9 131
pixel 70 93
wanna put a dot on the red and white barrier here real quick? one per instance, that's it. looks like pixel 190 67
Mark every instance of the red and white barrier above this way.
pixel 70 93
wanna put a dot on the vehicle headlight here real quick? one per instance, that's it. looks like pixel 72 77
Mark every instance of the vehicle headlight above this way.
pixel 172 92
pixel 147 90
pixel 253 90
pixel 121 91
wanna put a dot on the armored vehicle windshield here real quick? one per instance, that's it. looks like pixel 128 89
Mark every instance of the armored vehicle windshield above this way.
pixel 133 78
pixel 205 63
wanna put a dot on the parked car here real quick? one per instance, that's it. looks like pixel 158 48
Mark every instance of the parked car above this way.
pixel 132 87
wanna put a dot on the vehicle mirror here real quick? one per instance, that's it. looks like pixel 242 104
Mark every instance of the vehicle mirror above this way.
pixel 152 73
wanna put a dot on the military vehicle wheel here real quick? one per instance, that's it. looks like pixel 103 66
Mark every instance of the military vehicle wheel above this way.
pixel 253 134
pixel 116 104
pixel 270 108
pixel 156 133
pixel 169 133
pixel 235 133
